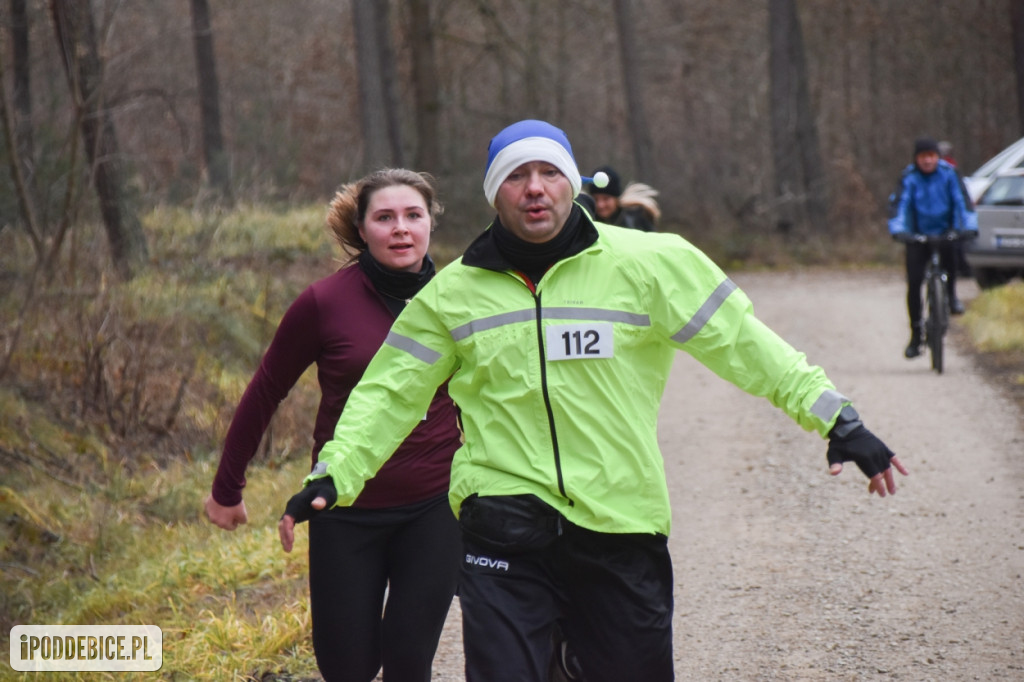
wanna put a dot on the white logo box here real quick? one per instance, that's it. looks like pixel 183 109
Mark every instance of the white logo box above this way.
pixel 41 648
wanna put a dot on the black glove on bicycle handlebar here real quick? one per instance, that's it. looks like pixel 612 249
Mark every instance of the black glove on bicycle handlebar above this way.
pixel 949 235
pixel 300 507
pixel 850 441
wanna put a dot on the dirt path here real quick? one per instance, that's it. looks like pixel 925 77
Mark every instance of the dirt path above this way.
pixel 783 573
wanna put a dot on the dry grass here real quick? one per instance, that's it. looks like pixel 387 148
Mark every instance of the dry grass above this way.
pixel 113 409
pixel 994 326
pixel 232 606
pixel 996 319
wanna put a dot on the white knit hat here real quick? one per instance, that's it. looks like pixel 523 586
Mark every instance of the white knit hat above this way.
pixel 526 141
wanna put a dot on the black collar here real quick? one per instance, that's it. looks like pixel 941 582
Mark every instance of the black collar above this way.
pixel 396 287
pixel 484 252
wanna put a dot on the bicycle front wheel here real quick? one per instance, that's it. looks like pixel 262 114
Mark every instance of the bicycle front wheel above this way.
pixel 936 325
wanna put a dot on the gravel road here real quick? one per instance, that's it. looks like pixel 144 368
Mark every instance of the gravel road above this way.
pixel 784 573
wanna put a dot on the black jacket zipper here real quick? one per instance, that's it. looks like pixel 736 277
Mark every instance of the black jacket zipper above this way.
pixel 547 402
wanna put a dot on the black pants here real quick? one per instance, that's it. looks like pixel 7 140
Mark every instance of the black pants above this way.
pixel 612 595
pixel 917 258
pixel 354 554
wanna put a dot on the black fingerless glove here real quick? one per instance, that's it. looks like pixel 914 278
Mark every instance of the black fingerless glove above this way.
pixel 850 441
pixel 300 507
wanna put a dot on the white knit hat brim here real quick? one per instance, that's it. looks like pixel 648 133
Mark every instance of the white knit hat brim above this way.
pixel 524 151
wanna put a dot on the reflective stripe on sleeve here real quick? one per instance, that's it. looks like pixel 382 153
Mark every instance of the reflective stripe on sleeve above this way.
pixel 827 404
pixel 413 348
pixel 704 313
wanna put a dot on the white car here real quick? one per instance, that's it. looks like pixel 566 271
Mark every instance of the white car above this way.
pixel 1010 158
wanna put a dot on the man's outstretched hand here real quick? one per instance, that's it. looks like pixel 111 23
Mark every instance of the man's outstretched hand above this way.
pixel 303 505
pixel 850 441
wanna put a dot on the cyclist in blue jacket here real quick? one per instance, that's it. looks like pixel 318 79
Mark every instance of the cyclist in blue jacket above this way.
pixel 930 200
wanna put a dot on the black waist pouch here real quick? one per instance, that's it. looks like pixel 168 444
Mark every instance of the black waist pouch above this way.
pixel 509 523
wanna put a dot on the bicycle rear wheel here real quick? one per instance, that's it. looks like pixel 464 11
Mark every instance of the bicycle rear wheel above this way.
pixel 935 327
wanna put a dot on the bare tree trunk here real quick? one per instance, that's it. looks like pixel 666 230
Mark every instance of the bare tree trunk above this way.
pixel 26 202
pixel 372 96
pixel 1017 24
pixel 17 127
pixel 218 172
pixel 533 65
pixel 76 39
pixel 46 242
pixel 18 168
pixel 633 83
pixel 382 21
pixel 799 174
pixel 563 71
pixel 22 93
pixel 426 87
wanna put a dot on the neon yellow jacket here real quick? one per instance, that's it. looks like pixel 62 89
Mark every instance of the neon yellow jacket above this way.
pixel 559 389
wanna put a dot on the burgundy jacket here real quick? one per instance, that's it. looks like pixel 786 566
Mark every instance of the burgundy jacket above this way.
pixel 338 323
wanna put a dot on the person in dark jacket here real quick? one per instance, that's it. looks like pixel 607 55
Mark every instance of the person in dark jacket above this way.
pixel 400 536
pixel 930 201
pixel 634 207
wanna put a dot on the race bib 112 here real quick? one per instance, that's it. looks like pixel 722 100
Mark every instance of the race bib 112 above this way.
pixel 583 341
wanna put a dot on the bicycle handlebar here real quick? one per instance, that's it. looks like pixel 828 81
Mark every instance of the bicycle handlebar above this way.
pixel 949 236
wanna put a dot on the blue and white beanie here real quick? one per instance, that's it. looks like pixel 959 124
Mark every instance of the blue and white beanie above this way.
pixel 527 141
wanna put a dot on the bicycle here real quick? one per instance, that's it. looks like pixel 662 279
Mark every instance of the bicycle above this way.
pixel 937 295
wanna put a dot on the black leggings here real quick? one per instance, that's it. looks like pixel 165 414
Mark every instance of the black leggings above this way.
pixel 917 259
pixel 413 552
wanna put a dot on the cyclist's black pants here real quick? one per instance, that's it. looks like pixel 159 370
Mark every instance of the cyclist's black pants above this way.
pixel 917 258
pixel 414 552
pixel 610 593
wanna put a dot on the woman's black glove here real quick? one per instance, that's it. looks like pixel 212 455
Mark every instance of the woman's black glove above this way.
pixel 300 506
pixel 850 441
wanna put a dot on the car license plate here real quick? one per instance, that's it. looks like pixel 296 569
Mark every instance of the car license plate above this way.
pixel 1008 242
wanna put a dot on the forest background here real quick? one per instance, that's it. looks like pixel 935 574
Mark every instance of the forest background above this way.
pixel 750 117
pixel 170 163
